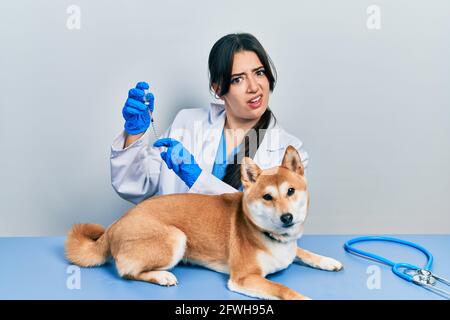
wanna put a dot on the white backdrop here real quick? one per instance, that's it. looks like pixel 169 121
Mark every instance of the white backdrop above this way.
pixel 365 88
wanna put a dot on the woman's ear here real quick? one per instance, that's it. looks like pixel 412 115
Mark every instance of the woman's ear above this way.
pixel 216 89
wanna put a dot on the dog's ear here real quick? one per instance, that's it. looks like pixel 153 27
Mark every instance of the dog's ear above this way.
pixel 292 161
pixel 249 172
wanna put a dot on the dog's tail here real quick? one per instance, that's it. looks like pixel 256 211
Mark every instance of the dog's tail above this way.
pixel 87 245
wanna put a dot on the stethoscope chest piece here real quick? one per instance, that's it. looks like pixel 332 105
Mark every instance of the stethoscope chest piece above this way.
pixel 423 276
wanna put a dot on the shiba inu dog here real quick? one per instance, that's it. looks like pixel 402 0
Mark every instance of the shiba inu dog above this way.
pixel 245 234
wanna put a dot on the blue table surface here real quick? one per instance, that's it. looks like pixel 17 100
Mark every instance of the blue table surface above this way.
pixel 35 268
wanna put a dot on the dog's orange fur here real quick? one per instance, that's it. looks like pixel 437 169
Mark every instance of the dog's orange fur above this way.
pixel 216 231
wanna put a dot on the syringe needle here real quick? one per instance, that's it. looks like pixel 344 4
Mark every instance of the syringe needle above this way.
pixel 153 124
pixel 147 103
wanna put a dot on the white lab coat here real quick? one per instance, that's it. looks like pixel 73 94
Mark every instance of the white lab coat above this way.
pixel 138 172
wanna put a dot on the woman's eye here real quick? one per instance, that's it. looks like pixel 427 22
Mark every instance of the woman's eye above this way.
pixel 260 72
pixel 267 197
pixel 290 191
pixel 236 80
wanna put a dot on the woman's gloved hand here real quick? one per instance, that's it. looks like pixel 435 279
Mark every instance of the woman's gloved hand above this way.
pixel 135 111
pixel 179 160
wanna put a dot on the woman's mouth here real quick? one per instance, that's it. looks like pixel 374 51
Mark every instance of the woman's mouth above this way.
pixel 255 102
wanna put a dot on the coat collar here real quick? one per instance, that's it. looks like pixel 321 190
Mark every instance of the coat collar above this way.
pixel 274 138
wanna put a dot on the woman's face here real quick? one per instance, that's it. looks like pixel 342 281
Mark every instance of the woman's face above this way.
pixel 248 96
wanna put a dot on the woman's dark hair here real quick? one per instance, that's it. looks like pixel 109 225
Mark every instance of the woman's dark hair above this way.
pixel 220 65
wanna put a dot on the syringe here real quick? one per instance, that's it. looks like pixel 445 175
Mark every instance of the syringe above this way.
pixel 147 98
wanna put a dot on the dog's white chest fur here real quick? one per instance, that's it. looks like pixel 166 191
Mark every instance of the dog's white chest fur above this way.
pixel 279 256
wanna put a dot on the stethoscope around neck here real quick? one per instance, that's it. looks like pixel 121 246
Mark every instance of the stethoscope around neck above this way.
pixel 411 273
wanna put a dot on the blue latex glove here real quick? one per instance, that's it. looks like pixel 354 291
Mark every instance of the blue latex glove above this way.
pixel 179 160
pixel 135 111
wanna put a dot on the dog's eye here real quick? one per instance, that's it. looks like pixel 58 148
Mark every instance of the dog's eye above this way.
pixel 290 191
pixel 267 197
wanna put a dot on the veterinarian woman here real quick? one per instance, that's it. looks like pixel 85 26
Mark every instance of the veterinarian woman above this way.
pixel 202 150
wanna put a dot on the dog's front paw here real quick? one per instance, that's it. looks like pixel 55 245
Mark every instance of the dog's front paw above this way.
pixel 293 295
pixel 330 264
pixel 164 278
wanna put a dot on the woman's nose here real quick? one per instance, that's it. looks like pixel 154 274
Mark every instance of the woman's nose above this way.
pixel 252 85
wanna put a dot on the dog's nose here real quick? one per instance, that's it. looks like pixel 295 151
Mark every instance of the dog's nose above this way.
pixel 286 218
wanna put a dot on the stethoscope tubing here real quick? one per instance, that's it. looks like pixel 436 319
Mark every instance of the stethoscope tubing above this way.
pixel 395 266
